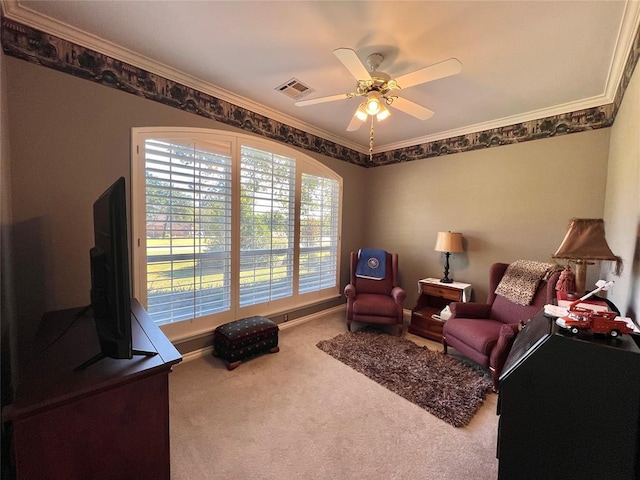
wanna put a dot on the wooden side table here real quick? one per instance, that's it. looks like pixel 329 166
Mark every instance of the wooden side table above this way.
pixel 434 296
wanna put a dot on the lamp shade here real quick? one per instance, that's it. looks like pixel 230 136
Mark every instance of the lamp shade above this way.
pixel 383 113
pixel 585 240
pixel 361 112
pixel 373 103
pixel 449 242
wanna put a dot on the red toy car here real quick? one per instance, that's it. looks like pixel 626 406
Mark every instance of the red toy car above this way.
pixel 578 318
pixel 598 322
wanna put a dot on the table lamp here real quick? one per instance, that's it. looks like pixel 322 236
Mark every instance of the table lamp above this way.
pixel 448 242
pixel 583 242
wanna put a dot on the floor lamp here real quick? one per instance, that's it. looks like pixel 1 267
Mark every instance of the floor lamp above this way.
pixel 584 243
pixel 448 242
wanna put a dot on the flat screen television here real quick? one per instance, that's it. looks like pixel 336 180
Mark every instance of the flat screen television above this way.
pixel 110 278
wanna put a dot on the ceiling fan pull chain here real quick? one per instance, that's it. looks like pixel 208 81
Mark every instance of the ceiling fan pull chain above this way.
pixel 371 142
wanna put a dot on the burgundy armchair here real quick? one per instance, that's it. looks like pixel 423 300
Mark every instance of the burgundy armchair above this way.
pixel 375 301
pixel 485 332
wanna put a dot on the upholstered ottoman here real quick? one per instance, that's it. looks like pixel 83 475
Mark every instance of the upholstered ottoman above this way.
pixel 238 340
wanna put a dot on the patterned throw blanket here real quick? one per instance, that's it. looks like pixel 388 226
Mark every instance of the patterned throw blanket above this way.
pixel 521 280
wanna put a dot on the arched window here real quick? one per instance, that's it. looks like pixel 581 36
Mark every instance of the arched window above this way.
pixel 227 226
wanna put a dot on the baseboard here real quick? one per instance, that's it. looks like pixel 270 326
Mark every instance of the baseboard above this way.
pixel 312 316
pixel 203 352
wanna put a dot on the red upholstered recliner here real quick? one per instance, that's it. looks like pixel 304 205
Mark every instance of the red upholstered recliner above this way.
pixel 484 332
pixel 375 301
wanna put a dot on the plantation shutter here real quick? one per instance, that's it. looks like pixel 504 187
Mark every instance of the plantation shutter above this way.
pixel 267 223
pixel 188 228
pixel 319 213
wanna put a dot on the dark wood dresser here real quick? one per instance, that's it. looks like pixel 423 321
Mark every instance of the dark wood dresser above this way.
pixel 108 421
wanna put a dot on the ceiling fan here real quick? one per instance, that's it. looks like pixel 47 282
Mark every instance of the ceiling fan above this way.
pixel 378 87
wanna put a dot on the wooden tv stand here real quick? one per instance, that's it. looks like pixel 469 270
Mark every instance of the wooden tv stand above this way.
pixel 107 421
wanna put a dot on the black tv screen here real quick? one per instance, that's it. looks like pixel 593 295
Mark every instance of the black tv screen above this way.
pixel 110 282
pixel 111 287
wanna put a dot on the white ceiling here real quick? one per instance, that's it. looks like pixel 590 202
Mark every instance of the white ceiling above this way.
pixel 521 60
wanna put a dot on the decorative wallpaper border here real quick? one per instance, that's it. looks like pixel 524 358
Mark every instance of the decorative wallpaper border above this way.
pixel 30 44
pixel 574 122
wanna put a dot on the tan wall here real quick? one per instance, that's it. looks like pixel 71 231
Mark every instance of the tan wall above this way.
pixel 7 297
pixel 622 207
pixel 70 138
pixel 511 202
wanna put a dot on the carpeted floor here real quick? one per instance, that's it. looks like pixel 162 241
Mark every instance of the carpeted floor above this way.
pixel 299 414
pixel 451 390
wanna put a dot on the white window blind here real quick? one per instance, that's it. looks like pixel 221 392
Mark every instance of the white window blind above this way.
pixel 188 228
pixel 319 213
pixel 267 224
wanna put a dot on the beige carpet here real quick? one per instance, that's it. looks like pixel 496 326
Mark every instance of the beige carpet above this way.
pixel 301 414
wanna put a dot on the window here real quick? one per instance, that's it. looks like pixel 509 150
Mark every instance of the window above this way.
pixel 267 200
pixel 188 229
pixel 228 226
pixel 319 214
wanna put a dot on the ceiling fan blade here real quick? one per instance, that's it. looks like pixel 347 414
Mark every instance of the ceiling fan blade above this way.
pixel 433 72
pixel 354 124
pixel 330 98
pixel 413 109
pixel 349 59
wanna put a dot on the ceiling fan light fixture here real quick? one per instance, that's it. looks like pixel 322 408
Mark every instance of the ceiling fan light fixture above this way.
pixel 393 85
pixel 375 86
pixel 383 113
pixel 374 103
pixel 361 112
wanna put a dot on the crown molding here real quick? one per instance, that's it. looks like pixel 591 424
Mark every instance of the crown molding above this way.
pixel 624 43
pixel 13 10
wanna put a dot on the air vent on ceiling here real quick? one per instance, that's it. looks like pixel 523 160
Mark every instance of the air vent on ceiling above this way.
pixel 294 88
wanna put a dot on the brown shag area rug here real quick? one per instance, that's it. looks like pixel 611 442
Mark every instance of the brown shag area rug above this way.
pixel 444 386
